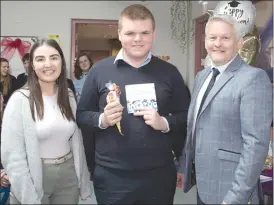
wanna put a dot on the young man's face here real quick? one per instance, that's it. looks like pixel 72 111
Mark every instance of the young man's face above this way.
pixel 26 65
pixel 136 37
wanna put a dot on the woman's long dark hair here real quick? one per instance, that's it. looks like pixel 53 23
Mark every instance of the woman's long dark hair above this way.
pixel 35 98
pixel 77 70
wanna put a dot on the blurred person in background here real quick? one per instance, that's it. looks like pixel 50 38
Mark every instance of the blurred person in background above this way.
pixel 8 81
pixel 82 65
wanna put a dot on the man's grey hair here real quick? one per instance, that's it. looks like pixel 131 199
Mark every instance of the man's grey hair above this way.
pixel 228 19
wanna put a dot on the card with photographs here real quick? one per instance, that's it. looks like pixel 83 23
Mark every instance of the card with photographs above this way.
pixel 140 95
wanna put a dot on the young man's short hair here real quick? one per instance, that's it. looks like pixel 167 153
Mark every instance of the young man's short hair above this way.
pixel 137 12
pixel 26 57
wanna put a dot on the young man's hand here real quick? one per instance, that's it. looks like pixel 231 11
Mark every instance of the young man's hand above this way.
pixel 152 118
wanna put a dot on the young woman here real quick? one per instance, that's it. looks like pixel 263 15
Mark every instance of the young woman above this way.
pixel 82 66
pixel 8 81
pixel 43 154
pixel 4 179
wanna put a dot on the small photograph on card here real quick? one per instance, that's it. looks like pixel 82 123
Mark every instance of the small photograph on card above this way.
pixel 140 95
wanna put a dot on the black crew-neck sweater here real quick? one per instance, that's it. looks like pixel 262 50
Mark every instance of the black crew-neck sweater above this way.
pixel 141 147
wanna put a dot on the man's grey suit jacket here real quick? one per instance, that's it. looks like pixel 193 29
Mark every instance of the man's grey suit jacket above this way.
pixel 231 136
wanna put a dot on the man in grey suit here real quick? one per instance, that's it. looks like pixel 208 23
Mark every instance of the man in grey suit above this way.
pixel 228 122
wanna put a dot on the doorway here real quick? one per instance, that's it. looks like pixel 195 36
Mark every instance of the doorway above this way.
pixel 99 38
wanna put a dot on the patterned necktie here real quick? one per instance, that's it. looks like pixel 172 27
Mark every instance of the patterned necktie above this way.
pixel 216 72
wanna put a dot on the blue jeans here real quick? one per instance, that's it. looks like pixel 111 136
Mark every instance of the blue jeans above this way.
pixel 4 192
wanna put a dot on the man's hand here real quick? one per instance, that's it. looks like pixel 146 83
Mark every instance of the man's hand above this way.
pixel 112 114
pixel 152 118
pixel 4 179
pixel 180 180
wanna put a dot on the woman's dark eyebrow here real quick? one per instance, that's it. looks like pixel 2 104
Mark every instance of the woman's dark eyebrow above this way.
pixel 50 56
pixel 55 55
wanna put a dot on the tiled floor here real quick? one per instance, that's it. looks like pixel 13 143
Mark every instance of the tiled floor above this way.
pixel 180 197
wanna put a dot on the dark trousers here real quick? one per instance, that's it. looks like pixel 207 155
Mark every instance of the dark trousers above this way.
pixel 89 146
pixel 114 186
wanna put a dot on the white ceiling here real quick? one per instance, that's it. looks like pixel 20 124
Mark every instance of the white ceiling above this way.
pixel 92 30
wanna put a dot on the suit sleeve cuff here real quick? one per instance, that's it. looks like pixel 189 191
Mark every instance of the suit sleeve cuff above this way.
pixel 231 198
pixel 100 122
pixel 181 163
pixel 167 125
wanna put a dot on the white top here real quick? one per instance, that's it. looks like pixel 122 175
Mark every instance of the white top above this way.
pixel 204 87
pixel 53 131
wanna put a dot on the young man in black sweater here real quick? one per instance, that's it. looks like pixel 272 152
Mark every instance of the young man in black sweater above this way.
pixel 23 77
pixel 134 164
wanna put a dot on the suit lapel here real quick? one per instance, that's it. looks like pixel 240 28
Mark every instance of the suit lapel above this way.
pixel 224 78
pixel 200 83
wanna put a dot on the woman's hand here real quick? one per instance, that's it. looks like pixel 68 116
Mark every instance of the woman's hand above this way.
pixel 4 179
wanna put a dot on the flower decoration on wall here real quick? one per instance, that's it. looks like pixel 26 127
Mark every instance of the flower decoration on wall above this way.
pixel 35 39
pixel 182 29
pixel 165 58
